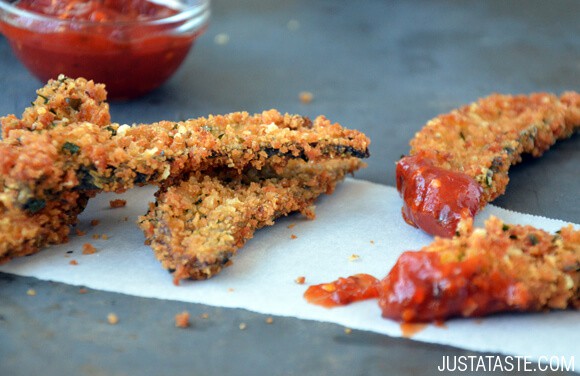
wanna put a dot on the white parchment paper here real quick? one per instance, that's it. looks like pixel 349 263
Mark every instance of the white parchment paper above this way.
pixel 360 218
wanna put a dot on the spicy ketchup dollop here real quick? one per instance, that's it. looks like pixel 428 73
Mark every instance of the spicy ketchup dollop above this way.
pixel 128 45
pixel 423 288
pixel 435 199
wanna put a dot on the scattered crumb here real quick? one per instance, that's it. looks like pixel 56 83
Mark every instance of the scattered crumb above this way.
pixel 95 222
pixel 118 203
pixel 126 219
pixel 269 320
pixel 112 319
pixel 88 249
pixel 96 236
pixel 305 97
pixel 80 233
pixel 353 257
pixel 231 289
pixel 347 330
pixel 73 262
pixel 291 225
pixel 293 25
pixel 31 292
pixel 372 242
pixel 83 291
pixel 293 236
pixel 300 280
pixel 182 320
pixel 105 237
pixel 243 326
pixel 221 39
pixel 204 316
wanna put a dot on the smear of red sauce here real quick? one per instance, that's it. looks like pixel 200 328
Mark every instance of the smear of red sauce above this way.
pixel 130 60
pixel 343 291
pixel 435 199
pixel 421 288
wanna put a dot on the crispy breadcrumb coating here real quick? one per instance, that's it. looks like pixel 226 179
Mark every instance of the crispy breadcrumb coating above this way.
pixel 85 156
pixel 479 142
pixel 485 138
pixel 482 271
pixel 196 227
pixel 62 101
pixel 27 223
pixel 63 152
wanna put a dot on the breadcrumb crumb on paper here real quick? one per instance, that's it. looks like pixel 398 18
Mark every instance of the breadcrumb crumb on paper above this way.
pixel 354 257
pixel 88 249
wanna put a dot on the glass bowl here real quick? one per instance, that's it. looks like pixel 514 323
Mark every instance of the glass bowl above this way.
pixel 133 48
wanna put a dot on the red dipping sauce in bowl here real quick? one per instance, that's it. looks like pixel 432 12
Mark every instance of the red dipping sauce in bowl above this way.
pixel 132 46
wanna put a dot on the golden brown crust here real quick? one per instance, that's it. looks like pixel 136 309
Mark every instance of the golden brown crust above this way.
pixel 63 151
pixel 197 226
pixel 485 138
pixel 62 101
pixel 115 158
pixel 546 265
pixel 28 223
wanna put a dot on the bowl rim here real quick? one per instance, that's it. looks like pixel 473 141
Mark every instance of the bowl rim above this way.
pixel 199 10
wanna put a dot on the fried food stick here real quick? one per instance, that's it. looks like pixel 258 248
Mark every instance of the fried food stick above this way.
pixel 483 271
pixel 26 223
pixel 196 227
pixel 459 161
pixel 46 175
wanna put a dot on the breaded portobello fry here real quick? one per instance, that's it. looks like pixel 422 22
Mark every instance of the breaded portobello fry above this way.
pixel 26 223
pixel 67 162
pixel 114 158
pixel 498 268
pixel 196 227
pixel 477 144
